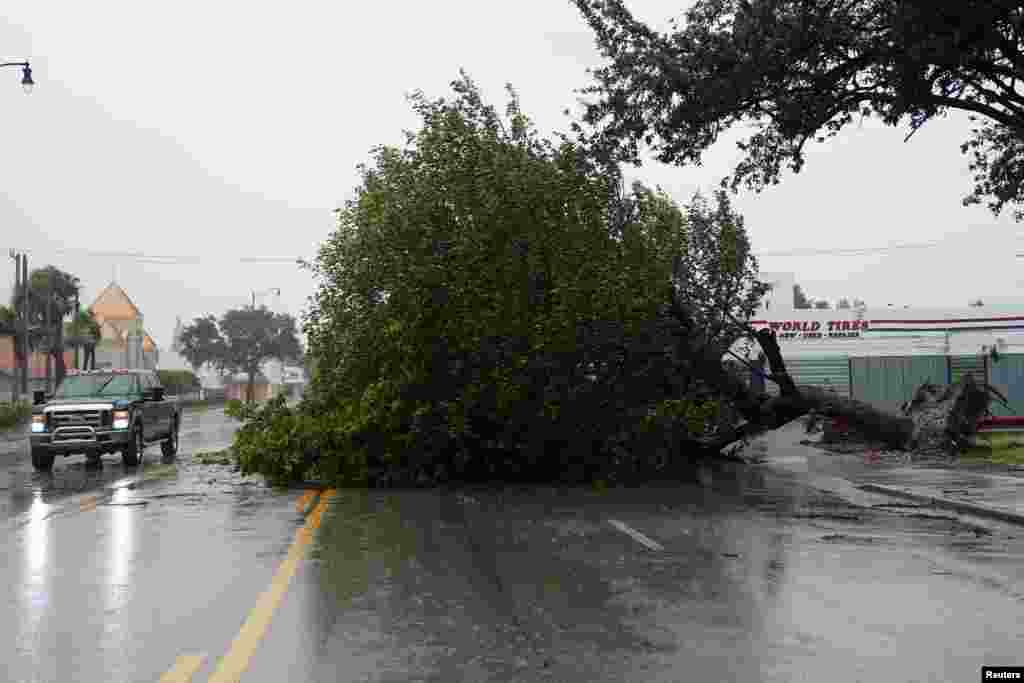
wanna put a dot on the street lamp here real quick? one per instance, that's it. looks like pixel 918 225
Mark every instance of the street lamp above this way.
pixel 275 290
pixel 26 75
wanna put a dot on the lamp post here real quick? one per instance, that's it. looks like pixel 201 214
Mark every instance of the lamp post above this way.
pixel 275 290
pixel 26 74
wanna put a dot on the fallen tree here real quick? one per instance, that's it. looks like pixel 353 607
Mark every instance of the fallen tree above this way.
pixel 936 420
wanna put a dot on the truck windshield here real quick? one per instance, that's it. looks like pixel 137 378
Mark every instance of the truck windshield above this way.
pixel 84 386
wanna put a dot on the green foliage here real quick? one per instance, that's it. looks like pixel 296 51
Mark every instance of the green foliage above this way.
pixel 14 414
pixel 82 330
pixel 801 71
pixel 178 382
pixel 52 295
pixel 237 409
pixel 241 341
pixel 492 304
pixel 201 342
pixel 8 320
pixel 252 336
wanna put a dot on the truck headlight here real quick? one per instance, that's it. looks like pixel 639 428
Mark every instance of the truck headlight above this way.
pixel 38 423
pixel 121 419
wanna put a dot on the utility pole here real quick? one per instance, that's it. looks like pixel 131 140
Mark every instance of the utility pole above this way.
pixel 16 370
pixel 49 332
pixel 25 318
pixel 75 330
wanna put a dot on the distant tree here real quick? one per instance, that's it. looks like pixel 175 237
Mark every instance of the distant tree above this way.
pixel 201 343
pixel 843 304
pixel 800 299
pixel 52 295
pixel 977 303
pixel 252 336
pixel 800 71
pixel 178 382
pixel 8 320
pixel 83 332
pixel 822 305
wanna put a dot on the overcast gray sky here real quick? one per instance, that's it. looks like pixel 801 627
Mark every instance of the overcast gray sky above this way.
pixel 230 130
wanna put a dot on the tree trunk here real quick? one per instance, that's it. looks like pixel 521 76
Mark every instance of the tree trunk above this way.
pixel 250 387
pixel 896 431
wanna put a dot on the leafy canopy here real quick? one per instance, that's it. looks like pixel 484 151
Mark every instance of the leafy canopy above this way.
pixel 241 341
pixel 801 70
pixel 494 300
pixel 201 343
pixel 252 336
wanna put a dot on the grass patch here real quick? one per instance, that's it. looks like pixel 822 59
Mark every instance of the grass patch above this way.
pixel 1005 448
pixel 14 414
pixel 195 405
pixel 223 457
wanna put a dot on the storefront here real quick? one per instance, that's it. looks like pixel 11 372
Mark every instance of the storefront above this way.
pixel 881 355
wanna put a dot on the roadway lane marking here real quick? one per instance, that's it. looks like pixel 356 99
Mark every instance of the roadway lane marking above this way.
pixel 236 661
pixel 303 500
pixel 184 668
pixel 636 535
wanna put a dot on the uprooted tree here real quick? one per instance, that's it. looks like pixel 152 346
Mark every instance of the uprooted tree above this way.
pixel 495 305
pixel 800 72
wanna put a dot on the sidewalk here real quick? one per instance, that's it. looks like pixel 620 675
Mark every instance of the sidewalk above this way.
pixel 14 434
pixel 968 490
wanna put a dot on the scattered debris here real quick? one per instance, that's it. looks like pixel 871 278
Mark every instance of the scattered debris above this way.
pixel 828 515
pixel 844 538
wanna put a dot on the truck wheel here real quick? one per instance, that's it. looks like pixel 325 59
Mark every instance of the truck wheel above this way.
pixel 169 447
pixel 132 453
pixel 43 462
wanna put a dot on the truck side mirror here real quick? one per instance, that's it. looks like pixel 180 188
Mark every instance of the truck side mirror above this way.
pixel 38 397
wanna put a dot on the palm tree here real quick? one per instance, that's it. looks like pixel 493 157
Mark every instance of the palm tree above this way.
pixel 83 332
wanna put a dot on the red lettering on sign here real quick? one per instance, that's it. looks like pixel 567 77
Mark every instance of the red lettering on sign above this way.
pixel 846 325
pixel 775 326
pixel 815 326
pixel 863 324
pixel 787 326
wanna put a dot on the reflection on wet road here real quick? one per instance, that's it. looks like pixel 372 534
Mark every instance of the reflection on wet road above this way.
pixel 180 572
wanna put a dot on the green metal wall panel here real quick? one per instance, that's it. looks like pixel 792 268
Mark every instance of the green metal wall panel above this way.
pixel 828 371
pixel 887 382
pixel 961 365
pixel 1007 375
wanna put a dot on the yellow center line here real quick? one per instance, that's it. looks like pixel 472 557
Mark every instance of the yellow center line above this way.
pixel 303 500
pixel 184 668
pixel 236 661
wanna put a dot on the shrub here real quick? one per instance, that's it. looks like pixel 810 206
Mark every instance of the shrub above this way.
pixel 178 381
pixel 14 414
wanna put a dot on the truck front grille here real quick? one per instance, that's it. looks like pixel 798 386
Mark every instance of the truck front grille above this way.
pixel 77 418
pixel 77 433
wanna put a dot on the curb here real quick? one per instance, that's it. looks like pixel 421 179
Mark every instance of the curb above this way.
pixel 955 505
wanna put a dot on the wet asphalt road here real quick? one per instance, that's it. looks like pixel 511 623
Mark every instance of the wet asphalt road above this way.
pixel 176 570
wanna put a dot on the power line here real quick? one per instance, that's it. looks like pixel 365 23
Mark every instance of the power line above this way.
pixel 851 251
pixel 165 259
